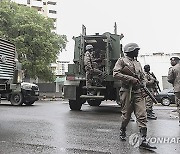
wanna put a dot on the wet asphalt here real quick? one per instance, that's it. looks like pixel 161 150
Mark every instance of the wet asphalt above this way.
pixel 49 127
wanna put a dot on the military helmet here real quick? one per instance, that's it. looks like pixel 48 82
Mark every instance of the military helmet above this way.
pixel 89 46
pixel 146 66
pixel 130 47
pixel 175 58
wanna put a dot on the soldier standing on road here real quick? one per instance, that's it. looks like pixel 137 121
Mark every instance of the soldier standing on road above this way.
pixel 131 93
pixel 151 84
pixel 91 69
pixel 174 79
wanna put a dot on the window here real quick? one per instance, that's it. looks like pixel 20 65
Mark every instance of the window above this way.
pixel 51 3
pixel 52 11
pixel 28 1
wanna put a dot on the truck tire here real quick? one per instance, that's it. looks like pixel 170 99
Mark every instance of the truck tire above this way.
pixel 94 102
pixel 75 105
pixel 16 99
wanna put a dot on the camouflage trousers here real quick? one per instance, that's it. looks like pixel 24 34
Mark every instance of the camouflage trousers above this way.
pixel 149 103
pixel 136 105
pixel 177 100
pixel 90 74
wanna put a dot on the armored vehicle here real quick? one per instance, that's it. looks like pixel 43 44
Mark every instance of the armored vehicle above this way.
pixel 108 49
pixel 10 71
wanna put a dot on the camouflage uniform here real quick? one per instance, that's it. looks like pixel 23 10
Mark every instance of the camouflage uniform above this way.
pixel 91 69
pixel 174 79
pixel 151 85
pixel 132 101
pixel 131 93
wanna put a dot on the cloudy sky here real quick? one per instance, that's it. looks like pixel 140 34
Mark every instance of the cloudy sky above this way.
pixel 153 24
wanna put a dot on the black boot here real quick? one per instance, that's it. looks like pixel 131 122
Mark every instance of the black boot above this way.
pixel 150 115
pixel 143 142
pixel 152 112
pixel 123 134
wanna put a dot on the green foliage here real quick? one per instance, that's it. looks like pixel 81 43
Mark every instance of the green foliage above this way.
pixel 31 32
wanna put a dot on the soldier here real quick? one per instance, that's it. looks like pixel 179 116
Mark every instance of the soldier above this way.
pixel 131 93
pixel 174 79
pixel 91 69
pixel 151 84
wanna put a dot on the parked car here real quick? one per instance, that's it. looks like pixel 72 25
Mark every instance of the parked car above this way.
pixel 28 95
pixel 166 97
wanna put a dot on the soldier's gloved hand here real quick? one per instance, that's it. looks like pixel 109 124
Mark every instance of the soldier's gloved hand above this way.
pixel 133 80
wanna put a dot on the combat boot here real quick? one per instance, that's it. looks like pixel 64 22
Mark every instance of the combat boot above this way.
pixel 123 134
pixel 144 144
pixel 152 112
pixel 150 115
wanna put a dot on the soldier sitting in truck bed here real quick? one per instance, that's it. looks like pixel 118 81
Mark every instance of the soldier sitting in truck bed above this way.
pixel 93 74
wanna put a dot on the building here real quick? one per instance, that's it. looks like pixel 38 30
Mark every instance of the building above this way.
pixel 60 67
pixel 47 8
pixel 160 64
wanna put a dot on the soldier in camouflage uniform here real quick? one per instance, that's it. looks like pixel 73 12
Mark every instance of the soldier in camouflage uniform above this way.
pixel 174 79
pixel 151 85
pixel 91 69
pixel 131 93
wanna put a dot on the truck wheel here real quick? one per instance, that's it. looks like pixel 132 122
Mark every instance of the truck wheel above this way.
pixel 94 102
pixel 16 99
pixel 75 105
pixel 29 103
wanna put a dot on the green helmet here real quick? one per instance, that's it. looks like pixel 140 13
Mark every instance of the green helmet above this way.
pixel 130 47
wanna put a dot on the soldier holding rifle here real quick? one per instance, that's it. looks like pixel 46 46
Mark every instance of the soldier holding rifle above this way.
pixel 153 86
pixel 132 93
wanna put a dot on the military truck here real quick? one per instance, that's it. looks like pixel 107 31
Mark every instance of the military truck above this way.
pixel 10 71
pixel 108 48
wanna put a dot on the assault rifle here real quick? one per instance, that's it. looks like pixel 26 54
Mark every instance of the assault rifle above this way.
pixel 126 70
pixel 157 84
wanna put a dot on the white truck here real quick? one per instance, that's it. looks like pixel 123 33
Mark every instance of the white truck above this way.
pixel 10 71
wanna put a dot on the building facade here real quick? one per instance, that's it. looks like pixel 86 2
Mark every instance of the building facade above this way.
pixel 47 8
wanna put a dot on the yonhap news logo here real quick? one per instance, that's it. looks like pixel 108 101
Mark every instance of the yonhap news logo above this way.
pixel 135 139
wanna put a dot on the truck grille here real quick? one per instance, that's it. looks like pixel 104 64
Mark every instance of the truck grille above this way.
pixel 7 57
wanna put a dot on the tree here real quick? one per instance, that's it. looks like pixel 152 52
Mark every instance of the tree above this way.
pixel 31 32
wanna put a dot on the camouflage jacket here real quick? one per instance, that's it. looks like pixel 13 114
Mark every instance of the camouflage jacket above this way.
pixel 174 77
pixel 88 58
pixel 150 82
pixel 125 79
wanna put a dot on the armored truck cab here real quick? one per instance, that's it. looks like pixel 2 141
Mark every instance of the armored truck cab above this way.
pixel 10 71
pixel 108 48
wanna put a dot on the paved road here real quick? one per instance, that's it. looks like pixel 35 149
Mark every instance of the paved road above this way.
pixel 49 127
